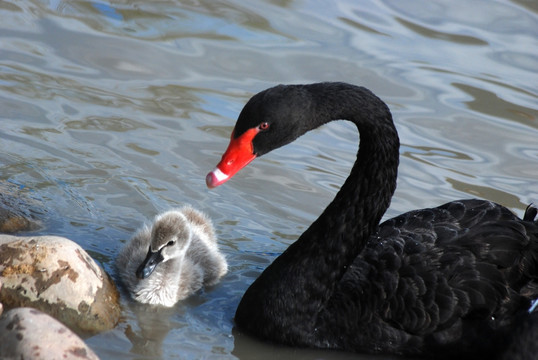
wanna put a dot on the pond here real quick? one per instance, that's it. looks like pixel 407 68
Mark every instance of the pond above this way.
pixel 112 111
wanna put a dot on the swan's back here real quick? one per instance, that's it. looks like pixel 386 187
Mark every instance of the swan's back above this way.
pixel 429 278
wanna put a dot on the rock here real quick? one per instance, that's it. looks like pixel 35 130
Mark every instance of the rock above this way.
pixel 17 210
pixel 55 275
pixel 27 333
pixel 10 222
pixel 1 307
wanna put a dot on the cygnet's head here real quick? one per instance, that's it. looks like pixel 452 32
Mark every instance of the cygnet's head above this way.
pixel 170 238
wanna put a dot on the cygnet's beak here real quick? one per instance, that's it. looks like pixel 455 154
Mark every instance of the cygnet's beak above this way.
pixel 148 265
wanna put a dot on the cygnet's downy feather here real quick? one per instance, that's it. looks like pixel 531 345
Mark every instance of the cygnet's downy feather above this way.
pixel 171 258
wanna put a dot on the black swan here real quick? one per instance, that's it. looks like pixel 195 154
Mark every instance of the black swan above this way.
pixel 446 281
pixel 171 259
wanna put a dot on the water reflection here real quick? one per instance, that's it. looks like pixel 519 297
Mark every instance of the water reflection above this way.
pixel 246 347
pixel 153 325
pixel 431 33
pixel 489 103
pixel 115 110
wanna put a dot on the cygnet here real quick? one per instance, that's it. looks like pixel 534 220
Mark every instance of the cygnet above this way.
pixel 172 258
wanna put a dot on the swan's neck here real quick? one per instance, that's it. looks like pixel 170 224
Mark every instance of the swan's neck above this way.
pixel 364 197
pixel 340 233
pixel 301 281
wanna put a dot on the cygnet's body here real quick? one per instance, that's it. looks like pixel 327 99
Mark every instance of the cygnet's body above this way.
pixel 171 259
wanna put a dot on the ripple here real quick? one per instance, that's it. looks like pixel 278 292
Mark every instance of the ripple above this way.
pixel 114 111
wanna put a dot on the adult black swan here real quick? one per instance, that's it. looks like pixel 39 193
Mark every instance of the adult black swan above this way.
pixel 449 281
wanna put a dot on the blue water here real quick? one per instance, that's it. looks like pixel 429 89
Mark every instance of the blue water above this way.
pixel 113 111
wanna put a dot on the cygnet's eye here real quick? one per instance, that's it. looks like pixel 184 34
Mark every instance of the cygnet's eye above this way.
pixel 170 243
pixel 263 126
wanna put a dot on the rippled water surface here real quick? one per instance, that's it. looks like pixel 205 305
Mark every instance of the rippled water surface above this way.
pixel 113 111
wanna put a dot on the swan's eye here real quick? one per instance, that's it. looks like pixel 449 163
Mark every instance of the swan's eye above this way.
pixel 170 243
pixel 264 126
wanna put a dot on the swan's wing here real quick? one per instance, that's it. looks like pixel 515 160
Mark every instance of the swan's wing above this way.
pixel 488 232
pixel 428 273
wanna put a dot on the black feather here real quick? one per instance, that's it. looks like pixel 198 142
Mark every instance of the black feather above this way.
pixel 440 282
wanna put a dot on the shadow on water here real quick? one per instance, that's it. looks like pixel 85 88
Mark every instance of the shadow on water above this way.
pixel 246 347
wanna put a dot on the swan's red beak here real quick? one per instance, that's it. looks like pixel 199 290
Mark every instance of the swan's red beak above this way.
pixel 238 154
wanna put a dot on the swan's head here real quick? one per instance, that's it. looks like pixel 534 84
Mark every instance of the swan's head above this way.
pixel 170 239
pixel 270 119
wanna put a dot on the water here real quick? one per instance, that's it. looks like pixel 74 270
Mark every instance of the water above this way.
pixel 113 111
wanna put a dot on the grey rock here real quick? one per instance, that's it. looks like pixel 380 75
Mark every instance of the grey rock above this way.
pixel 27 333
